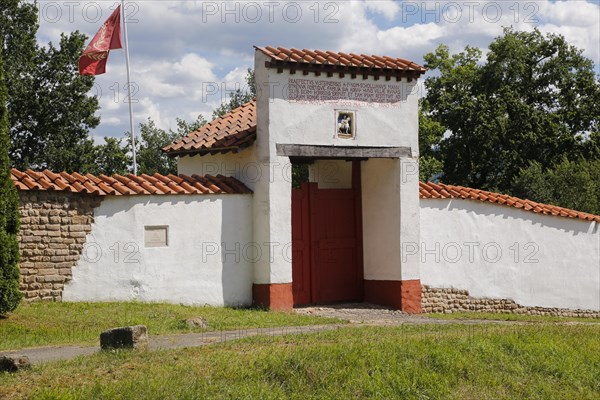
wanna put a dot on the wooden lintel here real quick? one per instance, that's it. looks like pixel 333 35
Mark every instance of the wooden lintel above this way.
pixel 341 152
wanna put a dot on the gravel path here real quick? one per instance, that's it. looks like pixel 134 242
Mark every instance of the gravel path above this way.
pixel 364 313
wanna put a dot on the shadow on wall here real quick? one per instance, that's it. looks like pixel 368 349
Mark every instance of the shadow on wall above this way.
pixel 119 208
pixel 237 255
pixel 573 225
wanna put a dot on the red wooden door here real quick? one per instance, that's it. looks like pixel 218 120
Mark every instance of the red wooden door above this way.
pixel 327 243
pixel 336 270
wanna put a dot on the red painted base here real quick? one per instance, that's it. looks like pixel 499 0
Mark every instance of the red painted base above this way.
pixel 403 295
pixel 274 296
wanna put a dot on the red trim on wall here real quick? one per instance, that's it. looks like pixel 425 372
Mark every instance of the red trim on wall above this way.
pixel 403 295
pixel 411 296
pixel 274 296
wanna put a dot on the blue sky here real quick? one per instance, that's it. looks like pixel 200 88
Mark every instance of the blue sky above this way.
pixel 181 48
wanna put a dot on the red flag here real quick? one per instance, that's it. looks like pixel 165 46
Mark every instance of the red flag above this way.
pixel 94 57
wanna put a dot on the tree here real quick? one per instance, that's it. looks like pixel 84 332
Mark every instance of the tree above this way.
pixel 50 110
pixel 150 158
pixel 535 99
pixel 570 184
pixel 110 158
pixel 10 296
pixel 430 134
pixel 239 97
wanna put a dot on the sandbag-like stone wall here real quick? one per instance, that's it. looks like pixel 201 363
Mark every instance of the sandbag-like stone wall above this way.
pixel 439 300
pixel 54 226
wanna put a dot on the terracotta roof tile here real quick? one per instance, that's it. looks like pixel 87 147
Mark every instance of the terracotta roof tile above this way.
pixel 339 60
pixel 231 132
pixel 431 190
pixel 124 185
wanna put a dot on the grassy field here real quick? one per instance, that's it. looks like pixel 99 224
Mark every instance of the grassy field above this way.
pixel 510 317
pixel 411 362
pixel 42 324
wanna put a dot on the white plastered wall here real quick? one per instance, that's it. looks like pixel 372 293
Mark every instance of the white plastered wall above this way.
pixel 390 203
pixel 207 260
pixel 331 174
pixel 241 165
pixel 502 252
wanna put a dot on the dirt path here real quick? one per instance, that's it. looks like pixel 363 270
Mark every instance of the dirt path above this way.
pixel 39 355
pixel 359 314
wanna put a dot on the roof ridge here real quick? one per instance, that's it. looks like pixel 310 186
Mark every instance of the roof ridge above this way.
pixel 238 124
pixel 341 59
pixel 432 190
pixel 123 185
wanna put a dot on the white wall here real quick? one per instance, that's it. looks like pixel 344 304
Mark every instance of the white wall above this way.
pixel 390 206
pixel 195 268
pixel 381 219
pixel 377 125
pixel 496 251
pixel 242 166
pixel 331 174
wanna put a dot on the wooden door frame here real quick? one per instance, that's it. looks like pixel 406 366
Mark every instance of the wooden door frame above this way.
pixel 306 237
pixel 357 187
pixel 311 189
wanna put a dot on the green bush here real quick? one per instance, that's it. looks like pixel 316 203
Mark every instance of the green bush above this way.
pixel 10 296
pixel 570 184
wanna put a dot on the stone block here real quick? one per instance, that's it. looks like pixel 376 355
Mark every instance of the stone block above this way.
pixel 129 337
pixel 196 322
pixel 14 363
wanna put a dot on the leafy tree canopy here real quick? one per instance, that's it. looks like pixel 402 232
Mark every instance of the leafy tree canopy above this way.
pixel 570 184
pixel 534 99
pixel 152 139
pixel 49 109
pixel 9 214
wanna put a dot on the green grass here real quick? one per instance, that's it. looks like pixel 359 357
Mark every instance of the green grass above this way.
pixel 410 362
pixel 42 324
pixel 510 317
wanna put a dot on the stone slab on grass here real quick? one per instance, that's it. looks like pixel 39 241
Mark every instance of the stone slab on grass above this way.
pixel 13 363
pixel 128 337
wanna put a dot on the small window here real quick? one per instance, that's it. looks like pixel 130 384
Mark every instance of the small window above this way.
pixel 156 236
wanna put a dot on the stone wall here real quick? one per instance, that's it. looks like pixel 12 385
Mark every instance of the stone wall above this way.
pixel 436 300
pixel 54 226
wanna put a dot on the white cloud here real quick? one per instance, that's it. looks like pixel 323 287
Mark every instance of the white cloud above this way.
pixel 178 47
pixel 388 8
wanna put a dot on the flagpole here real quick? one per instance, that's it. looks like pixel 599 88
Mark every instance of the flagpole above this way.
pixel 131 125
